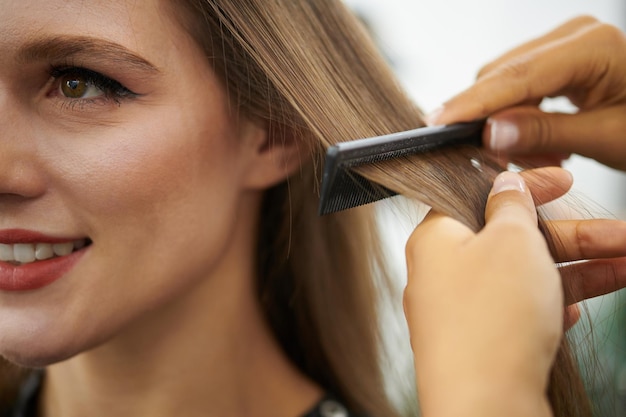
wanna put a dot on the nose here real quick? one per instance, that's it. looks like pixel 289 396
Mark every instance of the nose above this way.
pixel 20 176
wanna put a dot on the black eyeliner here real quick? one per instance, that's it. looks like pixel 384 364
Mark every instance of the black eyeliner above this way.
pixel 111 88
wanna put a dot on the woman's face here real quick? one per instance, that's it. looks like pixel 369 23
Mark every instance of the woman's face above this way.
pixel 114 134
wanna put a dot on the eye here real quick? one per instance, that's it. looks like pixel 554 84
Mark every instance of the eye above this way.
pixel 77 83
pixel 72 86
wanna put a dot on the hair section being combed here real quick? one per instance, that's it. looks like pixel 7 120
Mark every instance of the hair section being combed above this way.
pixel 309 69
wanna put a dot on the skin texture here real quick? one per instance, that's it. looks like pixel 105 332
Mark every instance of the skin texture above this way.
pixel 583 60
pixel 513 279
pixel 511 295
pixel 167 185
pixel 512 299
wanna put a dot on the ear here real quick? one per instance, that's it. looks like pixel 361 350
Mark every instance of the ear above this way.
pixel 273 153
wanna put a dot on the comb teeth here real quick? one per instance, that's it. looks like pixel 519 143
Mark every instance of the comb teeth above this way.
pixel 343 189
pixel 352 190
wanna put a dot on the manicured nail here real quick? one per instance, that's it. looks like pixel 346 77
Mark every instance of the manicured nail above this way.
pixel 504 135
pixel 432 118
pixel 508 181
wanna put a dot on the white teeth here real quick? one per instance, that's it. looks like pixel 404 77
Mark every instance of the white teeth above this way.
pixel 23 253
pixel 62 249
pixel 43 251
pixel 6 253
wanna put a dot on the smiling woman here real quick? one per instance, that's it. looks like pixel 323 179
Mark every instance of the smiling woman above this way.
pixel 122 149
pixel 161 251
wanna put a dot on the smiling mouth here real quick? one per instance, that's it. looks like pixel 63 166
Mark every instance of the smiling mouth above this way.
pixel 28 253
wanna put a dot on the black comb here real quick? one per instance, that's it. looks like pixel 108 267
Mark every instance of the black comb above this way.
pixel 343 189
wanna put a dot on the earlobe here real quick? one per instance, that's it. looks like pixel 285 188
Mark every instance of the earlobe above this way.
pixel 276 154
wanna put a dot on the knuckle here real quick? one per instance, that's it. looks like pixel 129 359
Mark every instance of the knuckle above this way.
pixel 584 20
pixel 540 132
pixel 584 239
pixel 515 68
pixel 517 72
pixel 607 33
pixel 514 230
pixel 515 221
pixel 421 238
pixel 487 68
pixel 412 245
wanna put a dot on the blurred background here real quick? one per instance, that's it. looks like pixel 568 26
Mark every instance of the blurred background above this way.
pixel 436 49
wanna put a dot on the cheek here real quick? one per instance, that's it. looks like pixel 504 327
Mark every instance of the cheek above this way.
pixel 168 188
pixel 160 205
pixel 155 171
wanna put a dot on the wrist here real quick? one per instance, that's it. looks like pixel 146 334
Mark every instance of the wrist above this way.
pixel 482 400
pixel 492 392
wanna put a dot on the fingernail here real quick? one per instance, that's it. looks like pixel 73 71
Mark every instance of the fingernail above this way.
pixel 433 117
pixel 504 135
pixel 508 181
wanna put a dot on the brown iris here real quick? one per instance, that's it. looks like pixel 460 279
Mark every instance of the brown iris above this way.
pixel 74 86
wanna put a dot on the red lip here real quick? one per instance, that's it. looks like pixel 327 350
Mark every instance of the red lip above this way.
pixel 36 274
pixel 11 236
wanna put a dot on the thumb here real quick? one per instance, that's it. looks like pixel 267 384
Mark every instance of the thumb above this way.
pixel 527 130
pixel 510 201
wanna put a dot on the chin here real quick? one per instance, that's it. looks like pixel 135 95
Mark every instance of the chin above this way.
pixel 31 359
pixel 44 345
pixel 39 354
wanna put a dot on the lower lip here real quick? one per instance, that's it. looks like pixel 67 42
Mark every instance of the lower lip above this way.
pixel 37 274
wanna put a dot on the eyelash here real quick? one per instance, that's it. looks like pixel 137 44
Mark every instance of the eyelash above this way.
pixel 112 89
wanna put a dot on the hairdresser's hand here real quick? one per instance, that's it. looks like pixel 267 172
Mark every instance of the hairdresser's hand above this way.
pixel 584 60
pixel 599 242
pixel 485 310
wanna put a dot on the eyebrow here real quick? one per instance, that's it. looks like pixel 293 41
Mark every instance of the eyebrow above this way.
pixel 93 50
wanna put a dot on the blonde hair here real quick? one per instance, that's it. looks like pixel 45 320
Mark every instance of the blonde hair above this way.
pixel 310 71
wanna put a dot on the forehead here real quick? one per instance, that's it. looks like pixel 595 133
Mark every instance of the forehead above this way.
pixel 144 26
